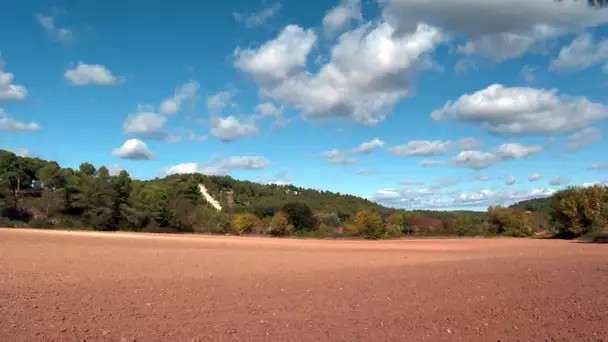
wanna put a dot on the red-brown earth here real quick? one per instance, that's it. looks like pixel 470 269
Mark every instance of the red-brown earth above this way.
pixel 69 286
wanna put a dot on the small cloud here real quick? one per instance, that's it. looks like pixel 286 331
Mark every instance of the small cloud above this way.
pixel 369 146
pixel 511 180
pixel 60 34
pixel 598 166
pixel 258 18
pixel 559 181
pixel 336 156
pixel 11 125
pixel 586 136
pixel 88 74
pixel 230 129
pixel 527 73
pixel 362 172
pixel 183 93
pixel 135 150
pixel 535 176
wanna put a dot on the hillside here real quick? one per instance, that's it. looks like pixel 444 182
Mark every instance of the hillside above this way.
pixel 40 193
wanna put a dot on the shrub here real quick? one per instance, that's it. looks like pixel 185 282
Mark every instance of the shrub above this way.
pixel 279 226
pixel 299 215
pixel 369 224
pixel 244 223
pixel 39 224
pixel 328 220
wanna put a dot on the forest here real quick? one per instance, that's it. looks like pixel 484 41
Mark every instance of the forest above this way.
pixel 41 194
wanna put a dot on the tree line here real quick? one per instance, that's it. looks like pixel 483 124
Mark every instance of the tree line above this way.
pixel 41 194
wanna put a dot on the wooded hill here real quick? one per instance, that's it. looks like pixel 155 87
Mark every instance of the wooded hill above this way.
pixel 41 194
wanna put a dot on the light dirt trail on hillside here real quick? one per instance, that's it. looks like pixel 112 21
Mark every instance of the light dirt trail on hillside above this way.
pixel 74 286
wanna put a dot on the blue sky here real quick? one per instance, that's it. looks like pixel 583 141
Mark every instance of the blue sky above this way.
pixel 415 104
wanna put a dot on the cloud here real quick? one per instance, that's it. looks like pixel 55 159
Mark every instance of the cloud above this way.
pixel 476 160
pixel 429 162
pixel 336 156
pixel 527 73
pixel 10 92
pixel 369 146
pixel 598 166
pixel 422 148
pixel 60 34
pixel 195 137
pixel 230 129
pixel 535 176
pixel 219 101
pixel 582 53
pixel 559 181
pixel 517 151
pixel 411 182
pixel 429 199
pixel 87 74
pixel 339 17
pixel 135 150
pixel 522 110
pixel 245 163
pixel 469 143
pixel 11 125
pixel 269 109
pixel 586 136
pixel 21 152
pixel 115 169
pixel 501 30
pixel 441 183
pixel 258 18
pixel 281 177
pixel 277 59
pixel 187 168
pixel 183 93
pixel 362 172
pixel 511 180
pixel 434 148
pixel 219 167
pixel 371 68
pixel 146 124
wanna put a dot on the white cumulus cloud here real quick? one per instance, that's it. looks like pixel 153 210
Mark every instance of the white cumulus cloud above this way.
pixel 511 180
pixel 230 129
pixel 370 69
pixel 146 124
pixel 135 150
pixel 495 28
pixel 339 17
pixel 10 92
pixel 11 125
pixel 559 181
pixel 87 74
pixel 535 176
pixel 582 53
pixel 336 156
pixel 517 151
pixel 522 110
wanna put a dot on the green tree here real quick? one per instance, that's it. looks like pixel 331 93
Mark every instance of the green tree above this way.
pixel 300 215
pixel 369 224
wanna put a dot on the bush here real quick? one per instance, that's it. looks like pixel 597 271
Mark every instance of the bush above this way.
pixel 244 223
pixel 369 224
pixel 279 226
pixel 300 215
pixel 39 224
pixel 596 237
pixel 328 220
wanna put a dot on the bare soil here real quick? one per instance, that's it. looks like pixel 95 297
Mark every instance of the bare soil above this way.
pixel 69 286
